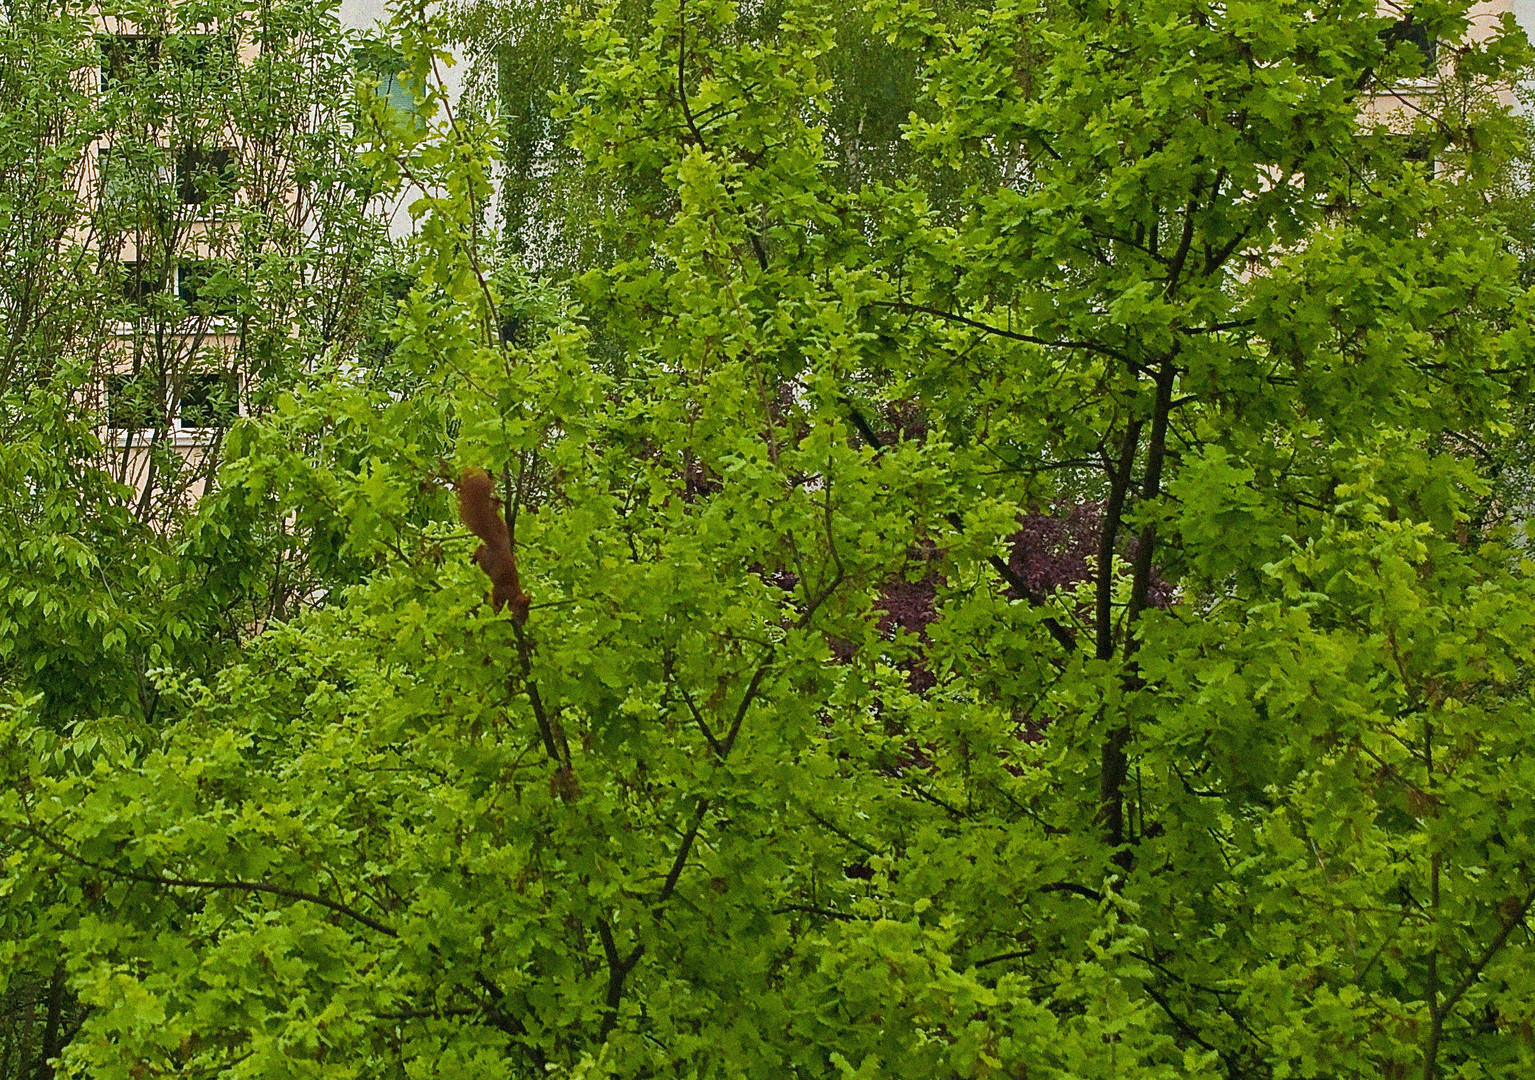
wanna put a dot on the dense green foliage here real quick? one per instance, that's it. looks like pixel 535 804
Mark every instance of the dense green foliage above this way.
pixel 1251 799
pixel 183 236
pixel 552 210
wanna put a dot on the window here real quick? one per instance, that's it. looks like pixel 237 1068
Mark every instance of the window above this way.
pixel 1418 149
pixel 130 174
pixel 199 175
pixel 124 54
pixel 1393 154
pixel 135 402
pixel 397 93
pixel 203 173
pixel 396 284
pixel 206 287
pixel 209 399
pixel 199 52
pixel 141 280
pixel 384 62
pixel 1414 36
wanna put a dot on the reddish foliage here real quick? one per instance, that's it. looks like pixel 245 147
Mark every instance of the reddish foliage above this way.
pixel 911 606
pixel 1056 551
pixel 1052 552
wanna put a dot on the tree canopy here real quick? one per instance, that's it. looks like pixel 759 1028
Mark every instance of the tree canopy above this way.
pixel 183 237
pixel 1047 611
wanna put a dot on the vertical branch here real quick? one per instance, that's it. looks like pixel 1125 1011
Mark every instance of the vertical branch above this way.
pixel 1112 761
pixel 675 873
pixel 1113 514
pixel 51 1043
pixel 1436 1009
pixel 682 86
pixel 618 972
pixel 549 728
pixel 687 114
pixel 1156 454
pixel 1114 764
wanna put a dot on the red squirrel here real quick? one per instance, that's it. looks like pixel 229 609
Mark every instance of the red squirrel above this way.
pixel 479 511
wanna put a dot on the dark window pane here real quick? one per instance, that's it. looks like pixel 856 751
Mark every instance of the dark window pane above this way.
pixel 1418 148
pixel 205 286
pixel 203 172
pixel 124 54
pixel 1415 36
pixel 208 399
pixel 131 174
pixel 141 280
pixel 383 61
pixel 396 284
pixel 134 402
pixel 200 52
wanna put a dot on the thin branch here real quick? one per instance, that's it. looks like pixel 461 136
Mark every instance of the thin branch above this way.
pixel 1488 953
pixel 237 886
pixel 1183 1024
pixel 1185 242
pixel 1073 888
pixel 1019 955
pixel 837 830
pixel 714 744
pixel 748 697
pixel 1060 633
pixel 675 873
pixel 863 426
pixel 502 1020
pixel 682 89
pixel 549 729
pixel 953 811
pixel 1218 328
pixel 840 916
pixel 997 331
pixel 428 1014
pixel 687 113
pixel 618 971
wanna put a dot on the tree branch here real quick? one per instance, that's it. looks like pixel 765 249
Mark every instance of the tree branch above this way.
pixel 549 728
pixel 238 886
pixel 1113 763
pixel 1073 888
pixel 1060 633
pixel 714 744
pixel 618 971
pixel 675 873
pixel 747 698
pixel 1488 953
pixel 1019 955
pixel 840 916
pixel 997 331
pixel 687 113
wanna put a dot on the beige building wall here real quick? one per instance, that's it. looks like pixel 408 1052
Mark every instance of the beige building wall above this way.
pixel 200 347
pixel 186 353
pixel 363 14
pixel 1406 105
pixel 198 343
pixel 368 17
